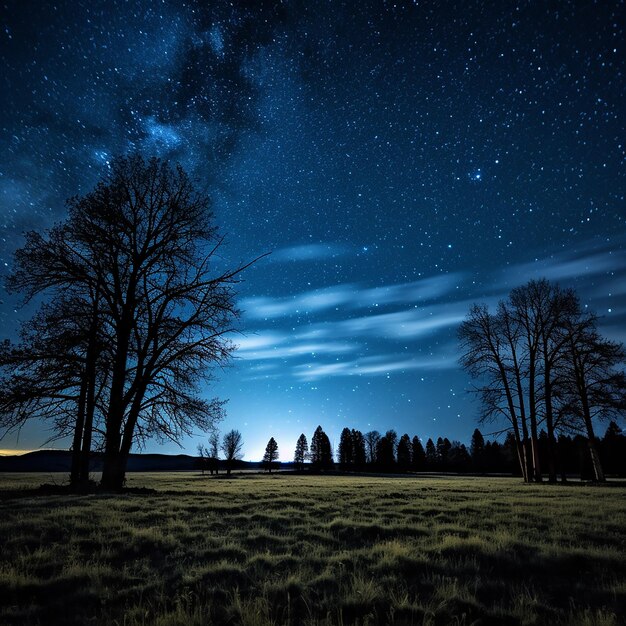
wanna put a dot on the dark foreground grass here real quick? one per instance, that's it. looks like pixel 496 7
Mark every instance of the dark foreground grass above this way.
pixel 258 550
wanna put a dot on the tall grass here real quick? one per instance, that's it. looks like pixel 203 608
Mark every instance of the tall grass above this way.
pixel 259 550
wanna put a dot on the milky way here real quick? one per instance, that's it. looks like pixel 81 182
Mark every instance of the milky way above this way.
pixel 400 160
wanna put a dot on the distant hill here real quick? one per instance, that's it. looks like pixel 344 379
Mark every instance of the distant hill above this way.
pixel 60 461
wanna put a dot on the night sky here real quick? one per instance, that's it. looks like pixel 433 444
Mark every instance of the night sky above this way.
pixel 400 160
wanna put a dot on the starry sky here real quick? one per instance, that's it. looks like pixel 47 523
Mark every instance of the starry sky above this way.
pixel 401 160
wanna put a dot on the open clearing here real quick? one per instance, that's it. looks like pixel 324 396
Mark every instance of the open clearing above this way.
pixel 290 549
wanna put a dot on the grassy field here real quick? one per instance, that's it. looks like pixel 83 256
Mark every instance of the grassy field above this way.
pixel 256 550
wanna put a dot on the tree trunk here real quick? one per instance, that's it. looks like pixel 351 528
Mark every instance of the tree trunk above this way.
pixel 90 404
pixel 525 456
pixel 595 459
pixel 78 434
pixel 114 468
pixel 547 383
pixel 112 473
pixel 598 472
pixel 534 438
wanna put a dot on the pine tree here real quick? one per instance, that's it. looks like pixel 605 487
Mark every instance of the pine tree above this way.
pixel 432 458
pixel 346 456
pixel 384 454
pixel 443 448
pixel 271 454
pixel 477 450
pixel 358 449
pixel 321 450
pixel 302 449
pixel 404 453
pixel 418 455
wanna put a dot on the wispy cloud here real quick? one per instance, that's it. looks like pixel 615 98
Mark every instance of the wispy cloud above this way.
pixel 352 296
pixel 295 350
pixel 345 323
pixel 308 252
pixel 309 302
pixel 564 266
pixel 372 366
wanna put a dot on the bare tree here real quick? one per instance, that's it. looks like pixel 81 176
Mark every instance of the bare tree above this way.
pixel 540 360
pixel 593 385
pixel 144 242
pixel 202 457
pixel 56 373
pixel 541 309
pixel 232 445
pixel 371 445
pixel 214 451
pixel 489 354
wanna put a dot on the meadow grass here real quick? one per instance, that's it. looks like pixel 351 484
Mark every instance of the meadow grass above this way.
pixel 313 550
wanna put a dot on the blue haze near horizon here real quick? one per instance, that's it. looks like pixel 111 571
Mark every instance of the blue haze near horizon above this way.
pixel 400 161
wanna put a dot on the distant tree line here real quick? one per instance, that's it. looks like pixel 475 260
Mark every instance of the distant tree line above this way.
pixel 541 366
pixel 390 453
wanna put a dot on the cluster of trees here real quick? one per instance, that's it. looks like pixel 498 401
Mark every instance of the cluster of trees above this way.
pixel 540 362
pixel 231 444
pixel 132 315
pixel 374 452
pixel 573 454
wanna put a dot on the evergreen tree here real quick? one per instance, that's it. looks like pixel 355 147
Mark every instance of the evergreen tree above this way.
pixel 404 453
pixel 477 450
pixel 346 456
pixel 614 450
pixel 384 454
pixel 358 449
pixel 443 448
pixel 392 437
pixel 432 459
pixel 302 449
pixel 271 454
pixel 321 450
pixel 418 455
pixel 458 458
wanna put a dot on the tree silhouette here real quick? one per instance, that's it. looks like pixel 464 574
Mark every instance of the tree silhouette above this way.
pixel 491 353
pixel 232 445
pixel 202 458
pixel 321 450
pixel 540 360
pixel 541 308
pixel 385 454
pixel 593 386
pixel 432 459
pixel 443 448
pixel 143 245
pixel 614 448
pixel 477 450
pixel 358 449
pixel 418 456
pixel 56 374
pixel 271 454
pixel 404 453
pixel 371 445
pixel 302 449
pixel 346 453
pixel 214 452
